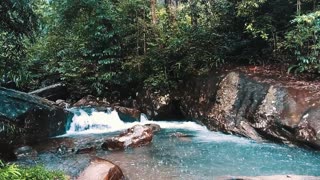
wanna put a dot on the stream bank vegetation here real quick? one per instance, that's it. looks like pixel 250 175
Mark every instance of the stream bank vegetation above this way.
pixel 12 171
pixel 101 46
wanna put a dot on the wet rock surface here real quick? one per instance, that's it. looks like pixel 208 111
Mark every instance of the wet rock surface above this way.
pixel 27 119
pixel 136 136
pixel 101 169
pixel 128 114
pixel 247 104
pixel 257 110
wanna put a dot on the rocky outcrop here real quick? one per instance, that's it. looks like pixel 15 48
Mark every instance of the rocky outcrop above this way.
pixel 52 92
pixel 136 136
pixel 251 107
pixel 27 119
pixel 128 114
pixel 101 169
pixel 158 106
pixel 256 107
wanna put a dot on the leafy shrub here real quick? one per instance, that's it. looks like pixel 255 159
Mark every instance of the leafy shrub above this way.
pixel 304 41
pixel 13 171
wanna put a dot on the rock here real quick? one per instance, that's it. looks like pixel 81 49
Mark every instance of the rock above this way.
pixel 25 118
pixel 86 150
pixel 91 101
pixel 128 114
pixel 25 152
pixel 158 106
pixel 155 127
pixel 100 169
pixel 62 103
pixel 253 106
pixel 136 136
pixel 256 109
pixel 52 92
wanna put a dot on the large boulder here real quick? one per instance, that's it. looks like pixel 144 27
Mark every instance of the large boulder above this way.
pixel 100 169
pixel 255 105
pixel 136 136
pixel 257 108
pixel 25 118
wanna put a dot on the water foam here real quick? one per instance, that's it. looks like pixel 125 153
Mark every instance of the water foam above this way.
pixel 94 122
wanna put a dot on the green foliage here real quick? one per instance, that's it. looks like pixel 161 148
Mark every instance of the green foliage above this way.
pixel 304 41
pixel 9 171
pixel 98 46
pixel 13 171
pixel 17 27
pixel 80 44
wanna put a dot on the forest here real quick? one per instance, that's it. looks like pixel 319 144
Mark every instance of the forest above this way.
pixel 97 46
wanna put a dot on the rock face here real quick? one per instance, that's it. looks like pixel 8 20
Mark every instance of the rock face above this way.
pixel 136 136
pixel 27 119
pixel 159 106
pixel 52 92
pixel 247 105
pixel 128 114
pixel 101 169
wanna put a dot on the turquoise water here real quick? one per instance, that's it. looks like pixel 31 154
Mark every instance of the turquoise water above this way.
pixel 203 155
pixel 207 157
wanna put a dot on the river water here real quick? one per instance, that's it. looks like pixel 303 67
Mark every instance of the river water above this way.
pixel 203 155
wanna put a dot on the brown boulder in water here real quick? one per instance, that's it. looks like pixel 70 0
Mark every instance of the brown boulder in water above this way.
pixel 101 169
pixel 136 136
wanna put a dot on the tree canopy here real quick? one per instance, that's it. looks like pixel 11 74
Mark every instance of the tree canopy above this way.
pixel 95 46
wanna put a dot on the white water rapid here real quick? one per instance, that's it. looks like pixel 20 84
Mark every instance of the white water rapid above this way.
pixel 90 121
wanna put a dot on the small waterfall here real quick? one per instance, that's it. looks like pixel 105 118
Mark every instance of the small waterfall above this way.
pixel 143 118
pixel 91 121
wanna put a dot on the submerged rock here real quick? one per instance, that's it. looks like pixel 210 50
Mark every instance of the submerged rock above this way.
pixel 180 135
pixel 136 136
pixel 100 169
pixel 155 127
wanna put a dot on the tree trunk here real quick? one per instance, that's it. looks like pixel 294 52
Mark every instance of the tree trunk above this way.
pixel 153 11
pixel 298 7
pixel 193 13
